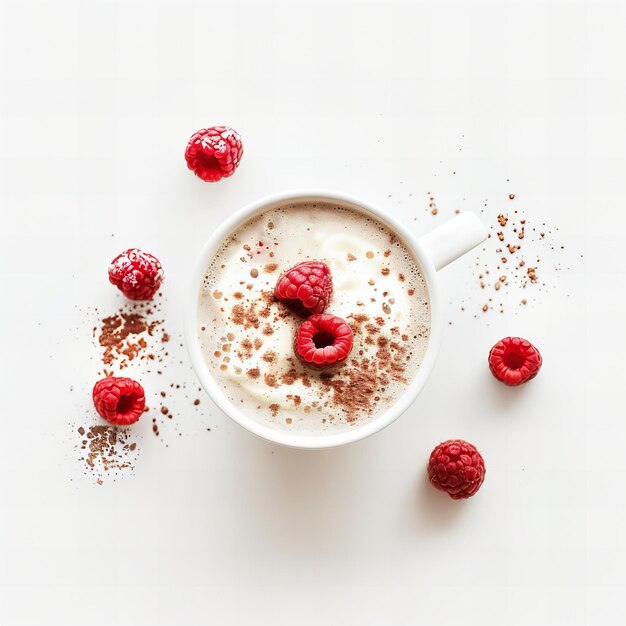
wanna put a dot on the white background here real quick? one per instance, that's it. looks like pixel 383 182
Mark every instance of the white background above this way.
pixel 378 99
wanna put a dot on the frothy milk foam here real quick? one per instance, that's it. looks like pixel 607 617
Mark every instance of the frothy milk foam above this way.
pixel 247 337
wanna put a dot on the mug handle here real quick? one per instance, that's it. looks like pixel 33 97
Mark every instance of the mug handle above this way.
pixel 448 242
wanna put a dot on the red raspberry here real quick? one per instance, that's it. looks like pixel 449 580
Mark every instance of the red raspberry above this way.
pixel 457 468
pixel 305 288
pixel 323 340
pixel 120 401
pixel 214 153
pixel 138 275
pixel 514 361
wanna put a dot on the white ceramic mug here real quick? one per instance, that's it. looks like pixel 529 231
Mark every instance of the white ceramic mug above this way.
pixel 433 251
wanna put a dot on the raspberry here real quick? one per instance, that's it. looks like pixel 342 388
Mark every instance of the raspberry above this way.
pixel 514 361
pixel 138 275
pixel 120 401
pixel 323 341
pixel 214 153
pixel 457 468
pixel 305 288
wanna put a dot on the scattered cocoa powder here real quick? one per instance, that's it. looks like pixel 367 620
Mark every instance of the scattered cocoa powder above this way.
pixel 297 400
pixel 122 335
pixel 271 381
pixel 246 346
pixel 106 451
pixel 522 237
pixel 269 356
pixel 245 316
pixel 354 395
pixel 359 318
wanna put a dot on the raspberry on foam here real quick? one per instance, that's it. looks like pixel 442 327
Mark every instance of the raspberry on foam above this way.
pixel 456 467
pixel 323 340
pixel 119 401
pixel 306 288
pixel 514 361
pixel 137 274
pixel 214 153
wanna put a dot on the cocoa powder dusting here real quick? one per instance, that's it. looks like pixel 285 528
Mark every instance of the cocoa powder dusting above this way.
pixel 245 316
pixel 106 451
pixel 297 400
pixel 121 336
pixel 254 373
pixel 269 356
pixel 246 347
pixel 354 395
pixel 271 381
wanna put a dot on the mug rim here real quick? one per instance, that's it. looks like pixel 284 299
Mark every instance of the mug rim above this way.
pixel 265 431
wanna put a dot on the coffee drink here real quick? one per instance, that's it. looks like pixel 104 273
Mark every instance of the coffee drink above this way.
pixel 247 336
